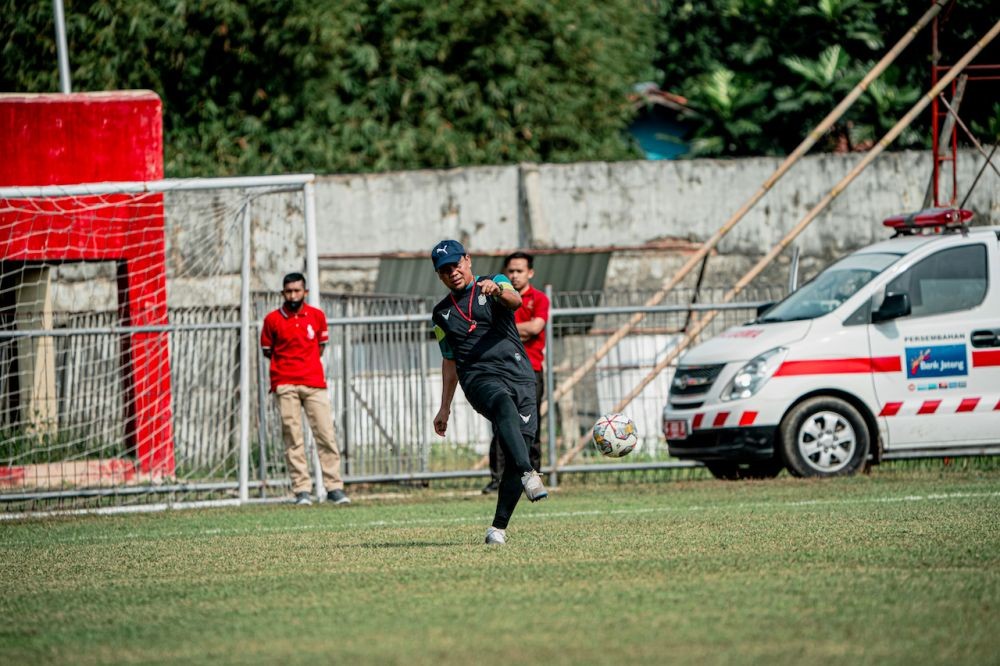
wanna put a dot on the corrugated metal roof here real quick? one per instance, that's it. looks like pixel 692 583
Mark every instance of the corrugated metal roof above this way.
pixel 565 272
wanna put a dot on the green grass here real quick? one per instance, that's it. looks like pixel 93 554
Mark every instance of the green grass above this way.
pixel 899 567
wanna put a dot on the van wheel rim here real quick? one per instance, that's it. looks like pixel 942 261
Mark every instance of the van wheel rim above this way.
pixel 827 441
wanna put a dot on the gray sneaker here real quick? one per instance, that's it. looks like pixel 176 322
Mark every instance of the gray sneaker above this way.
pixel 533 486
pixel 496 536
pixel 338 497
pixel 303 499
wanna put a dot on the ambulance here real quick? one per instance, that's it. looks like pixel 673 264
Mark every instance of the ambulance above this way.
pixel 891 352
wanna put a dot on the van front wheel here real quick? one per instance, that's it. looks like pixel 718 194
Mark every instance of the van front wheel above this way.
pixel 824 436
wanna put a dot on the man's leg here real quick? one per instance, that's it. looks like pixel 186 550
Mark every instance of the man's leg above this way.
pixel 507 497
pixel 317 406
pixel 502 412
pixel 507 422
pixel 290 409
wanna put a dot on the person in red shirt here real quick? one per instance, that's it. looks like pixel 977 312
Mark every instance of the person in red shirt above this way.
pixel 530 319
pixel 293 337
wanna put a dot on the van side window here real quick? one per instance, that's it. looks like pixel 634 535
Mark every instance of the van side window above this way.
pixel 947 281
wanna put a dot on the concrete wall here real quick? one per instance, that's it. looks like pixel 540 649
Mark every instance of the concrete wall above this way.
pixel 660 211
pixel 629 205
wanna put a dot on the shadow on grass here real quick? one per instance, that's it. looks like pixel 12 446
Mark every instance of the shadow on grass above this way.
pixel 405 544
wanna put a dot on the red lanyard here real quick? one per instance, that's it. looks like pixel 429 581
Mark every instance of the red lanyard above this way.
pixel 466 317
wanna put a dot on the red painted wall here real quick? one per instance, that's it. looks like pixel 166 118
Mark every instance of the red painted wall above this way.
pixel 57 139
pixel 54 139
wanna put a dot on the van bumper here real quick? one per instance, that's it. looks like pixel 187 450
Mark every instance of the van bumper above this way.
pixel 732 444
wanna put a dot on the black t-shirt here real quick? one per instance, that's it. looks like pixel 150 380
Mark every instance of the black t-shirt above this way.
pixel 479 334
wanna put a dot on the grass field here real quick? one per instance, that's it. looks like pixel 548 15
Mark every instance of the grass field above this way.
pixel 892 568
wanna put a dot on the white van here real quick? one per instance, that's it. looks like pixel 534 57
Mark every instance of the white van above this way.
pixel 891 352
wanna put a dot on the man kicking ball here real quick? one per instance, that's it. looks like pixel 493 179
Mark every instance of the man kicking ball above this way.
pixel 483 352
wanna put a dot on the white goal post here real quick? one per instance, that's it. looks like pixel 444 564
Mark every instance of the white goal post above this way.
pixel 122 305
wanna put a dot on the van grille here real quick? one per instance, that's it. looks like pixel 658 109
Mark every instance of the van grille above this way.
pixel 694 380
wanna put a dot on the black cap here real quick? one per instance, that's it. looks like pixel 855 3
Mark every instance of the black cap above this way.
pixel 447 252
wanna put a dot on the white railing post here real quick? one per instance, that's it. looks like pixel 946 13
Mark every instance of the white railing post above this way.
pixel 245 345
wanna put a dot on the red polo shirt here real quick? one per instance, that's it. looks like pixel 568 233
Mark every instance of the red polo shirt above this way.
pixel 294 340
pixel 534 303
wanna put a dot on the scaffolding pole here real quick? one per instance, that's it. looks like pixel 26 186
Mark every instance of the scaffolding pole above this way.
pixel 710 244
pixel 869 157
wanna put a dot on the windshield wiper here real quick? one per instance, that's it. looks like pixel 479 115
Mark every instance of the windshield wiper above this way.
pixel 777 320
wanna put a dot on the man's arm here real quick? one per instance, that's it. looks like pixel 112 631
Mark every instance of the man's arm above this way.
pixel 449 377
pixel 266 340
pixel 503 290
pixel 531 328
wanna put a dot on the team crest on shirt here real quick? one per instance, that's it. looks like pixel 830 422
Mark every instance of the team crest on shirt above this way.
pixel 482 299
pixel 310 333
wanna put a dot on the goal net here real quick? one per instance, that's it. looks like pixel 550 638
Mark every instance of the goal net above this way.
pixel 120 338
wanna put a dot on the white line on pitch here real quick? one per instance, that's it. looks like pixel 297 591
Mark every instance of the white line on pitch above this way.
pixel 531 515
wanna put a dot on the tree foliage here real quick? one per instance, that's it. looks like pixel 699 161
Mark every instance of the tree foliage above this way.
pixel 284 85
pixel 760 74
pixel 373 85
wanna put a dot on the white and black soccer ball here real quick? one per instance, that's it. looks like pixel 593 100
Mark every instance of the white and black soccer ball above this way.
pixel 615 435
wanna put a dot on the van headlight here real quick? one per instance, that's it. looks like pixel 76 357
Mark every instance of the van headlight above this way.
pixel 752 376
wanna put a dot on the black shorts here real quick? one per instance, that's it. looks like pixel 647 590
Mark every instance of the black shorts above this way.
pixel 524 395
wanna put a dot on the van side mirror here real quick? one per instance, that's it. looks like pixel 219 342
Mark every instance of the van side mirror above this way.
pixel 893 307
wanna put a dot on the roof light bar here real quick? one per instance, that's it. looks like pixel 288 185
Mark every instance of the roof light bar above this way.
pixel 932 219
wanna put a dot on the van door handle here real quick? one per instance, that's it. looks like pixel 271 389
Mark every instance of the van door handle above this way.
pixel 986 338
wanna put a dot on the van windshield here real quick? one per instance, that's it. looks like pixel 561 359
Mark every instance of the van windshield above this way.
pixel 825 292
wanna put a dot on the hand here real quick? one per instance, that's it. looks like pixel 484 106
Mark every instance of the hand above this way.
pixel 441 421
pixel 489 287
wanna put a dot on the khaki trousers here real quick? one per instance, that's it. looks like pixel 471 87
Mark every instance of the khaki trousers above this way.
pixel 293 399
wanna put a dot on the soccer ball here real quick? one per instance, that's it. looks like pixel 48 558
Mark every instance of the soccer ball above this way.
pixel 615 435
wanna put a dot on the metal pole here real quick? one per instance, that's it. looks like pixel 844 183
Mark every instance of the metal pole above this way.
pixel 425 407
pixel 312 260
pixel 869 157
pixel 65 85
pixel 988 162
pixel 348 381
pixel 946 131
pixel 245 344
pixel 793 271
pixel 315 300
pixel 978 146
pixel 549 385
pixel 708 245
pixel 289 182
pixel 263 431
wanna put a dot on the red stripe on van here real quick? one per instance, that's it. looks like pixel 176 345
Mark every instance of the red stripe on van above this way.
pixel 696 422
pixel 720 419
pixel 840 366
pixel 929 407
pixel 967 404
pixel 890 409
pixel 747 418
pixel 985 359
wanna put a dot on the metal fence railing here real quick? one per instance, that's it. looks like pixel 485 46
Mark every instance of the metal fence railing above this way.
pixel 383 370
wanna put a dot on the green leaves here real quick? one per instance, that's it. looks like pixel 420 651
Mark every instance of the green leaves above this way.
pixel 822 72
pixel 269 86
pixel 782 65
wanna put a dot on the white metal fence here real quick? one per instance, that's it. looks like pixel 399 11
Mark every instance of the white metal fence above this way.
pixel 220 423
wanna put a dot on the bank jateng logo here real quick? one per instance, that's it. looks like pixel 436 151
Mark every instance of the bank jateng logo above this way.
pixel 936 361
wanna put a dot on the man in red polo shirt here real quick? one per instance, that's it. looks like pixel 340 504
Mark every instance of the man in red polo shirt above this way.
pixel 530 319
pixel 293 337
